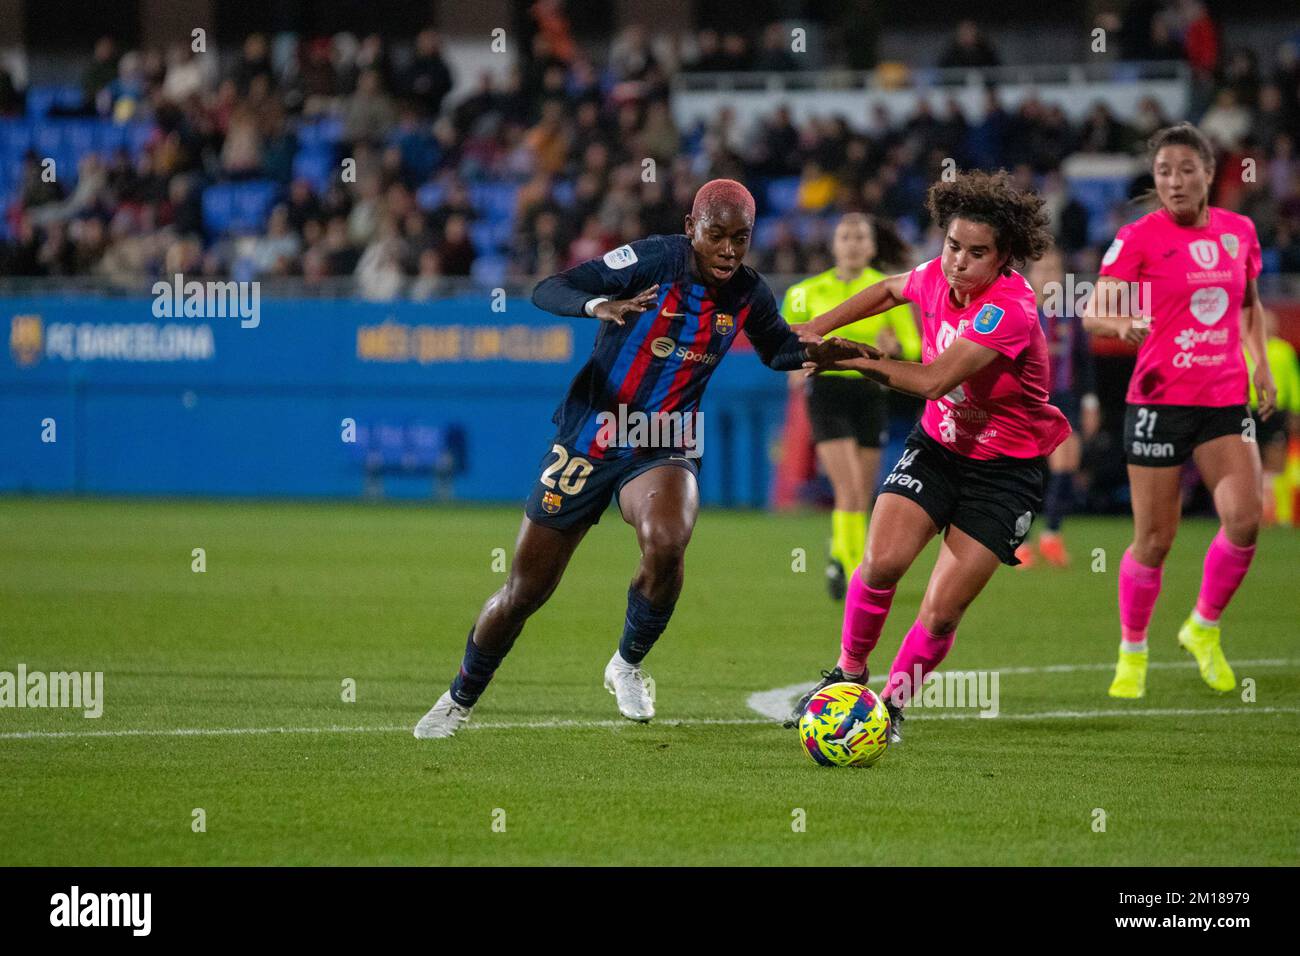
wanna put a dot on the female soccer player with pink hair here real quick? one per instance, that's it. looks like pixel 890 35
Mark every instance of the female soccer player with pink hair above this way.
pixel 975 468
pixel 1192 267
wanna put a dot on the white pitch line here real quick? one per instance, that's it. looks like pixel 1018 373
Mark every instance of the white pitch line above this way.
pixel 776 703
pixel 615 724
pixel 263 731
pixel 773 705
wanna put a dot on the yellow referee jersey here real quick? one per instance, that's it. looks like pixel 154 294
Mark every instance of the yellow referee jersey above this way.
pixel 810 298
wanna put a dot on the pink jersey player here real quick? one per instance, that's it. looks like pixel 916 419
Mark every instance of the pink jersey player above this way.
pixel 1001 410
pixel 975 469
pixel 1180 283
pixel 1189 280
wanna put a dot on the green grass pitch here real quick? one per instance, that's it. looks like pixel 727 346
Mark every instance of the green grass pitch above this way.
pixel 298 598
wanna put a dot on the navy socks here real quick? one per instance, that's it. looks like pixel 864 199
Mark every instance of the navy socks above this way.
pixel 476 671
pixel 643 626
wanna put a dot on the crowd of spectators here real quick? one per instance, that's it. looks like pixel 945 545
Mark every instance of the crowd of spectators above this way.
pixel 589 138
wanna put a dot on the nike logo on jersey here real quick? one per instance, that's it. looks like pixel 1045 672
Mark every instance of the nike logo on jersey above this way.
pixel 672 315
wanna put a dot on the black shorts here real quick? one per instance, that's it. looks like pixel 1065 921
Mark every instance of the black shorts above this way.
pixel 843 407
pixel 992 501
pixel 573 490
pixel 1159 436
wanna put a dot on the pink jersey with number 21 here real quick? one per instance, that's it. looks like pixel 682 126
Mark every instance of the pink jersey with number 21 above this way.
pixel 1002 410
pixel 1194 280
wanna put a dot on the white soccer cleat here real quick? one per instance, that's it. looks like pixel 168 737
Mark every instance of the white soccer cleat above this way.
pixel 629 686
pixel 443 719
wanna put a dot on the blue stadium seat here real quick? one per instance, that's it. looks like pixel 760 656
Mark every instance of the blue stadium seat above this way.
pixel 765 231
pixel 316 165
pixel 41 99
pixel 782 194
pixel 490 236
pixel 429 196
pixel 564 191
pixel 15 136
pixel 1098 196
pixel 496 201
pixel 490 271
pixel 109 138
pixel 323 132
pixel 239 208
pixel 138 136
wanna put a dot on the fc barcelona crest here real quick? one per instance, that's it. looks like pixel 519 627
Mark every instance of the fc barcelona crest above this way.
pixel 551 502
pixel 26 336
pixel 1230 244
pixel 723 323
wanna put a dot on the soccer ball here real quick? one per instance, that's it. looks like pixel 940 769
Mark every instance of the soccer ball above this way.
pixel 845 725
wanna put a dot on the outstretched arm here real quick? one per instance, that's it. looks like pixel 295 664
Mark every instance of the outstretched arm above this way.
pixel 876 298
pixel 953 366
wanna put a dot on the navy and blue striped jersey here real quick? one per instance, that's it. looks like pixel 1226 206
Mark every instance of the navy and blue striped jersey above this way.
pixel 661 360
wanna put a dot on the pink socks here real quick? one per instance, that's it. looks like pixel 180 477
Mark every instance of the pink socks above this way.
pixel 1139 586
pixel 1225 566
pixel 921 653
pixel 865 610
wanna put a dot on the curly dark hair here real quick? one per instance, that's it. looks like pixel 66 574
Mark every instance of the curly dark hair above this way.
pixel 1016 216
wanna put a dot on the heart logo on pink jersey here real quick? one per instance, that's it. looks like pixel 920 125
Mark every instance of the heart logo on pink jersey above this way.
pixel 1209 304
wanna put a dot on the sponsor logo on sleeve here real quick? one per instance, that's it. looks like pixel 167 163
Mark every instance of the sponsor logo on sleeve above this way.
pixel 988 319
pixel 1113 252
pixel 620 258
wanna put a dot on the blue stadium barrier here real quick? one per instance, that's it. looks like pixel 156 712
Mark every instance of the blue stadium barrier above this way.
pixel 201 406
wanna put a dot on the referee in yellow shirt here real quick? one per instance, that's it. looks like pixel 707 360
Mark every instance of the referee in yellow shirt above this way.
pixel 849 413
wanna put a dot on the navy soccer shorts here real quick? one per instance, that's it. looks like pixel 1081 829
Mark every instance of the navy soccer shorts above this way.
pixel 572 490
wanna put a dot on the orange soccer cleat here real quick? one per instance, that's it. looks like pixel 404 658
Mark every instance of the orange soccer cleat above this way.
pixel 1025 554
pixel 1052 548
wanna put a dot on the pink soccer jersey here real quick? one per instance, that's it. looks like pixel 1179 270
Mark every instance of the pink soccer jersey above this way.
pixel 1190 282
pixel 1002 410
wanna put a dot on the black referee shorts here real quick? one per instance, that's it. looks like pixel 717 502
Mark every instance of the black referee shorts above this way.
pixel 844 407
